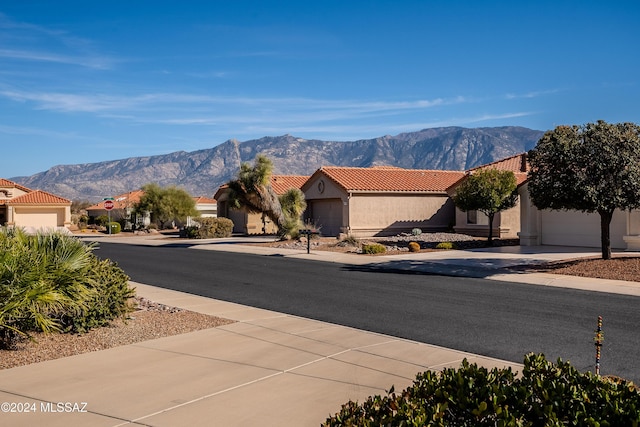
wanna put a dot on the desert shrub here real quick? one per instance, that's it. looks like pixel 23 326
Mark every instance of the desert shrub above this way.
pixel 115 227
pixel 290 228
pixel 416 231
pixel 101 220
pixel 314 227
pixel 54 283
pixel 373 248
pixel 445 245
pixel 212 228
pixel 348 241
pixel 546 394
pixel 152 226
pixel 110 297
pixel 189 232
pixel 414 247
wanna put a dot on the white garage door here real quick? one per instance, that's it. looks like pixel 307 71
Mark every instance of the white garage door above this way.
pixel 327 214
pixel 572 228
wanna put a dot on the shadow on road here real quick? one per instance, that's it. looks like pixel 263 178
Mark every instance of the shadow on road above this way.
pixel 424 268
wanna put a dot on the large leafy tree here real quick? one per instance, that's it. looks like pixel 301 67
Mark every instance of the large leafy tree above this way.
pixel 252 190
pixel 166 204
pixel 590 168
pixel 488 191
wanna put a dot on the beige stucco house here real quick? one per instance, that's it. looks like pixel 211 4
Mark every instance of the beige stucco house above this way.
pixel 506 224
pixel 254 223
pixel 32 210
pixel 379 201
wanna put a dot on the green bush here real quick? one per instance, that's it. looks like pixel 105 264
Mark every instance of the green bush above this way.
pixel 54 283
pixel 546 394
pixel 445 245
pixel 414 247
pixel 110 298
pixel 212 228
pixel 373 248
pixel 101 220
pixel 115 227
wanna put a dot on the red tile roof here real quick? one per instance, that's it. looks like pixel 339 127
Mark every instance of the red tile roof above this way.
pixel 204 200
pixel 281 183
pixel 517 164
pixel 7 183
pixel 121 201
pixel 39 197
pixel 391 179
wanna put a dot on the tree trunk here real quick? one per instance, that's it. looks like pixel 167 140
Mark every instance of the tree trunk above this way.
pixel 605 234
pixel 490 239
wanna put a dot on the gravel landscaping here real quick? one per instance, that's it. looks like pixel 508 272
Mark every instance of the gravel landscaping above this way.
pixel 150 321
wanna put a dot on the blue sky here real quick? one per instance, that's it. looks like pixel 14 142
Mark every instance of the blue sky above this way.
pixel 88 81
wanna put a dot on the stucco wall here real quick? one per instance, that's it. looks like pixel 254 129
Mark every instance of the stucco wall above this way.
pixel 377 214
pixel 506 224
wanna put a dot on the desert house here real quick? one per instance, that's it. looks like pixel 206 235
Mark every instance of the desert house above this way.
pixel 506 224
pixel 32 210
pixel 122 210
pixel 255 223
pixel 379 201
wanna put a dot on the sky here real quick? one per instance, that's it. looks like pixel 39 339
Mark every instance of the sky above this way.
pixel 90 81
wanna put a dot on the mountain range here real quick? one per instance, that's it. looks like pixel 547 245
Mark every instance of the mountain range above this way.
pixel 202 172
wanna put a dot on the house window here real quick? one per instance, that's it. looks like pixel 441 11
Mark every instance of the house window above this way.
pixel 477 218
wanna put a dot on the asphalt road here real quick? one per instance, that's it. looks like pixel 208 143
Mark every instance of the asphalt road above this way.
pixel 491 318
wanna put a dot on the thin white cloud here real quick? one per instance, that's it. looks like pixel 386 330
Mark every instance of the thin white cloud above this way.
pixel 29 42
pixel 90 62
pixel 532 94
pixel 176 103
pixel 358 130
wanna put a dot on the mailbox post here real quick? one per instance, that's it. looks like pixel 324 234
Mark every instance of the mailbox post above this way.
pixel 307 232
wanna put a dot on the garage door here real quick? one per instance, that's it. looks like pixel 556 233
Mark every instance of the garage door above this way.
pixel 31 218
pixel 326 214
pixel 572 228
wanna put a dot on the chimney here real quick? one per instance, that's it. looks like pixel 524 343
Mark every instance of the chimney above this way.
pixel 523 162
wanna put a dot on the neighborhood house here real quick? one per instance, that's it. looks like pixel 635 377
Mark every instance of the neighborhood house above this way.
pixel 255 223
pixel 123 209
pixel 379 201
pixel 32 210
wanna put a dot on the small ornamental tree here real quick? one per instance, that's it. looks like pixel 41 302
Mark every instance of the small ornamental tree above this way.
pixel 488 191
pixel 166 204
pixel 590 168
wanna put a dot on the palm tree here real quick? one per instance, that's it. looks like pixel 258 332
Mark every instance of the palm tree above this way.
pixel 252 190
pixel 41 279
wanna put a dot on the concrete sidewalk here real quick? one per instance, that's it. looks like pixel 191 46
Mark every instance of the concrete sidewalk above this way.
pixel 268 369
